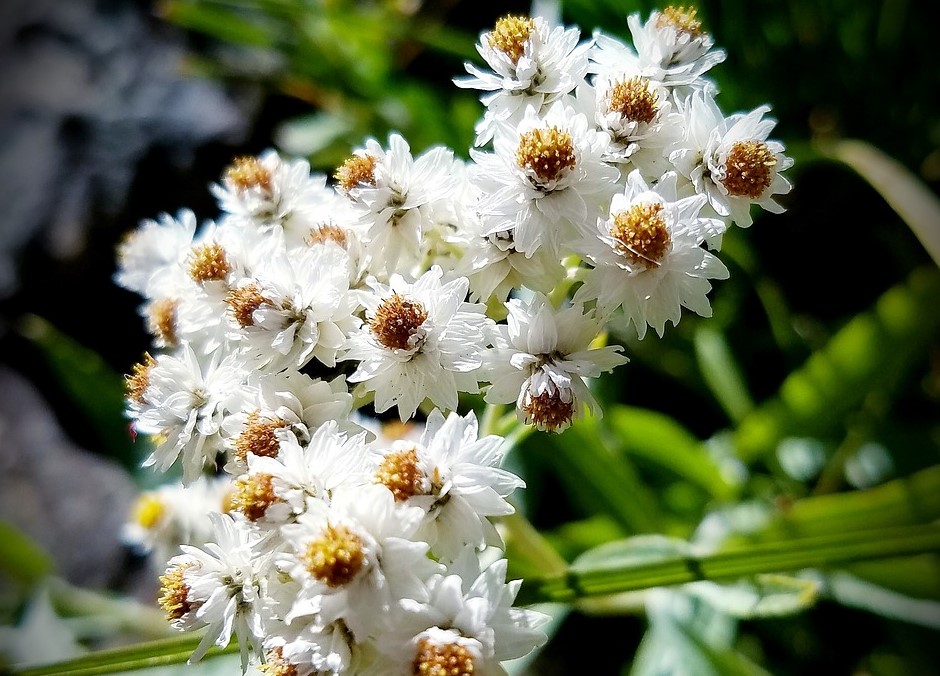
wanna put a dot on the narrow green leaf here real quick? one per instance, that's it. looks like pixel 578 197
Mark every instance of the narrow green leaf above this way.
pixel 721 373
pixel 94 389
pixel 874 350
pixel 21 558
pixel 220 23
pixel 764 595
pixel 635 551
pixel 659 439
pixel 852 591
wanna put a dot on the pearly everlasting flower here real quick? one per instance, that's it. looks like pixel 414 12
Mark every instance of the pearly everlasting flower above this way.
pixel 221 586
pixel 545 179
pixel 421 340
pixel 354 558
pixel 171 515
pixel 648 257
pixel 278 488
pixel 671 46
pixel 455 477
pixel 532 64
pixel 542 360
pixel 155 248
pixel 290 401
pixel 182 400
pixel 730 160
pixel 467 624
pixel 296 307
pixel 392 195
pixel 269 192
pixel 295 650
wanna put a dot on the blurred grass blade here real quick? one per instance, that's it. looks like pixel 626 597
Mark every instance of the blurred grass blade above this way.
pixel 92 387
pixel 614 576
pixel 874 350
pixel 21 558
pixel 857 593
pixel 659 439
pixel 721 373
pixel 761 596
pixel 218 22
pixel 903 191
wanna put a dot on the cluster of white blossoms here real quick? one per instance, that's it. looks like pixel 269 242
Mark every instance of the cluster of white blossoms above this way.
pixel 416 287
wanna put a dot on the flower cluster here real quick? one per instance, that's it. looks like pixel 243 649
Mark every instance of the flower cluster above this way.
pixel 328 542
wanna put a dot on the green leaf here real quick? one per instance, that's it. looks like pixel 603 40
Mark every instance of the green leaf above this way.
pixel 853 591
pixel 21 558
pixel 873 351
pixel 635 551
pixel 659 439
pixel 765 595
pixel 220 23
pixel 93 388
pixel 721 373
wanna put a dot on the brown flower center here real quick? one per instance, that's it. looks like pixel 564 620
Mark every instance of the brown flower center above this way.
pixel 548 411
pixel 275 664
pixel 136 384
pixel 161 320
pixel 749 169
pixel 249 172
pixel 396 321
pixel 641 234
pixel 243 302
pixel 355 171
pixel 207 263
pixel 510 34
pixel 399 472
pixel 336 556
pixel 327 233
pixel 633 100
pixel 450 659
pixel 174 592
pixel 259 436
pixel 548 153
pixel 253 495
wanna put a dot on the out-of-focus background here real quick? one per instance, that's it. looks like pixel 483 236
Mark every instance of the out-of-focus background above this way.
pixel 112 112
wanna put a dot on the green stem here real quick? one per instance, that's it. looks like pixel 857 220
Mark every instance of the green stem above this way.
pixel 769 557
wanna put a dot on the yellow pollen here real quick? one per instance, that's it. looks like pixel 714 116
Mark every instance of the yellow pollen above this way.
pixel 259 436
pixel 249 172
pixel 682 19
pixel 548 153
pixel 633 100
pixel 162 320
pixel 335 557
pixel 641 234
pixel 356 170
pixel 749 169
pixel 275 664
pixel 207 263
pixel 228 501
pixel 148 510
pixel 136 384
pixel 174 592
pixel 396 320
pixel 451 659
pixel 399 473
pixel 510 34
pixel 549 412
pixel 253 495
pixel 395 429
pixel 327 233
pixel 243 301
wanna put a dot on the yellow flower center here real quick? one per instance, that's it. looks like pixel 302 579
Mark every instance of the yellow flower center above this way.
pixel 137 382
pixel 161 320
pixel 207 263
pixel 275 664
pixel 259 436
pixel 399 472
pixel 749 169
pixel 546 152
pixel 148 510
pixel 450 659
pixel 396 320
pixel 243 302
pixel 253 495
pixel 249 172
pixel 641 234
pixel 509 36
pixel 682 19
pixel 633 100
pixel 336 556
pixel 174 592
pixel 327 233
pixel 355 171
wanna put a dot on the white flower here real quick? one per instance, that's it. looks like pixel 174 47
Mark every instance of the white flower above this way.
pixel 355 558
pixel 303 650
pixel 545 179
pixel 468 623
pixel 648 257
pixel 183 402
pixel 671 47
pixel 289 400
pixel 393 195
pixel 171 515
pixel 421 340
pixel 155 247
pixel 730 160
pixel 455 478
pixel 222 586
pixel 268 192
pixel 295 307
pixel 543 359
pixel 533 64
